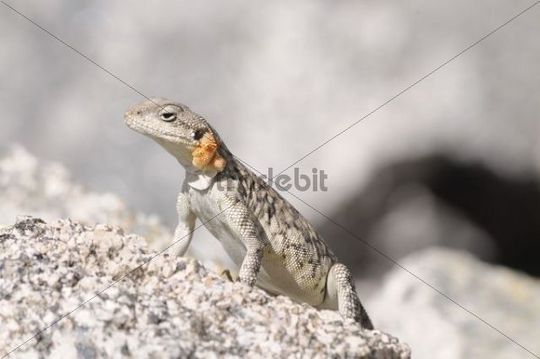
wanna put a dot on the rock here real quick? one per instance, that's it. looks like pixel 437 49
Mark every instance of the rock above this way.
pixel 31 186
pixel 45 189
pixel 435 327
pixel 171 307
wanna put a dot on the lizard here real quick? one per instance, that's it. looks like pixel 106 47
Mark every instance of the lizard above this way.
pixel 273 245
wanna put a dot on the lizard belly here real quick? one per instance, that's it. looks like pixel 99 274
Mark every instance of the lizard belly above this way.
pixel 209 214
pixel 277 278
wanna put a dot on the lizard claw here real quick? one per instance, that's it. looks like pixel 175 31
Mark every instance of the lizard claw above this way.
pixel 226 274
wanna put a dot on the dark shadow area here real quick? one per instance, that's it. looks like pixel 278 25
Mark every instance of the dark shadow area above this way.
pixel 507 209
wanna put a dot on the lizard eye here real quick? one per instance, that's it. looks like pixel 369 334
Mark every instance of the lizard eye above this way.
pixel 197 134
pixel 168 116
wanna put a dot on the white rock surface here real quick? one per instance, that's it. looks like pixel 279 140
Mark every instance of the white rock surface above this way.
pixel 172 307
pixel 435 327
pixel 29 186
pixel 432 325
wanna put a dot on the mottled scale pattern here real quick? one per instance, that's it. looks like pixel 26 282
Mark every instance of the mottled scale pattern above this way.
pixel 241 219
pixel 349 304
pixel 303 252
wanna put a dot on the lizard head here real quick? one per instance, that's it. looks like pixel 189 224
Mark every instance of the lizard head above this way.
pixel 182 132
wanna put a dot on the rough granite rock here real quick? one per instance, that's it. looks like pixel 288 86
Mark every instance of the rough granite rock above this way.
pixel 172 307
pixel 45 190
pixel 435 327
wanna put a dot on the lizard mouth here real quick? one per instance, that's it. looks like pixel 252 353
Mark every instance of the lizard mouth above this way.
pixel 157 133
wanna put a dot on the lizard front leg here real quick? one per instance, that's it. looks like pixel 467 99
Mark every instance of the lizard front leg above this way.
pixel 241 221
pixel 186 223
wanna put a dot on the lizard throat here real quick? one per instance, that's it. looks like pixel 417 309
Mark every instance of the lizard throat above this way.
pixel 206 156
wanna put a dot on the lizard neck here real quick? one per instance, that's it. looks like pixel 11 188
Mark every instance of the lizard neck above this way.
pixel 202 179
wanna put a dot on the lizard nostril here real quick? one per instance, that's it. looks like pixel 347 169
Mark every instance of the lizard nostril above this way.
pixel 139 112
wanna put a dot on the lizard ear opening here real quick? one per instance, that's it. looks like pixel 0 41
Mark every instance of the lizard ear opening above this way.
pixel 197 134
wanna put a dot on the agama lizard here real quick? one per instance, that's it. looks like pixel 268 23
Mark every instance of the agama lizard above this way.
pixel 274 246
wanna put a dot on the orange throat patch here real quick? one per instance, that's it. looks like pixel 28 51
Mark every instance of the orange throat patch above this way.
pixel 206 156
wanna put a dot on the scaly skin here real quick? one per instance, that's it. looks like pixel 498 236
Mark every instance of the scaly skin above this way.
pixel 274 246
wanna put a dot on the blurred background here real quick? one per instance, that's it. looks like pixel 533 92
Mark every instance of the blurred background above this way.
pixel 453 162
